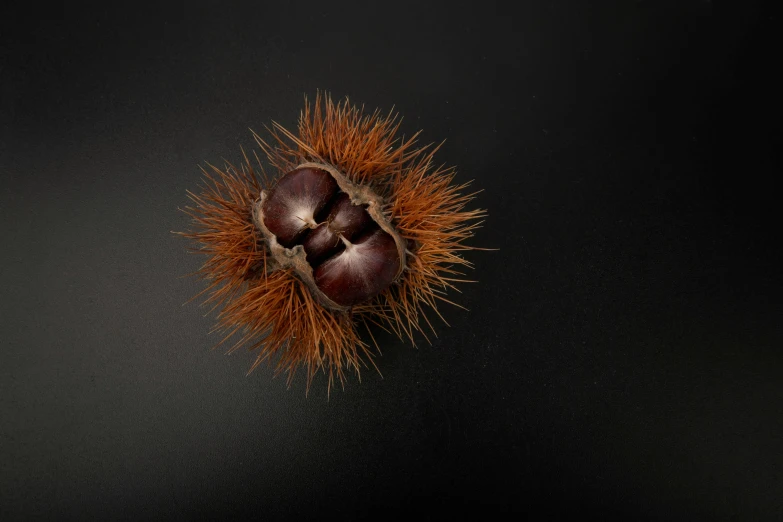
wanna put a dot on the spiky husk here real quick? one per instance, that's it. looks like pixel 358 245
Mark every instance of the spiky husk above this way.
pixel 272 310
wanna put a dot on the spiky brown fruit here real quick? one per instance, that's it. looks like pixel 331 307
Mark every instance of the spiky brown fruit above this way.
pixel 359 229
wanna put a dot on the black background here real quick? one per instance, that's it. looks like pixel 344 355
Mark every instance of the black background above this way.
pixel 621 355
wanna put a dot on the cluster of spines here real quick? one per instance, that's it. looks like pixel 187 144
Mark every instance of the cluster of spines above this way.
pixel 272 310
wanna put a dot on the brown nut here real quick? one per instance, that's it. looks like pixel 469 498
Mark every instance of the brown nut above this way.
pixel 321 243
pixel 293 204
pixel 360 272
pixel 343 218
pixel 346 218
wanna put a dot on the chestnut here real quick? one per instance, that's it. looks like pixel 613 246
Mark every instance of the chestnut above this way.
pixel 347 218
pixel 360 228
pixel 321 243
pixel 291 207
pixel 343 218
pixel 360 272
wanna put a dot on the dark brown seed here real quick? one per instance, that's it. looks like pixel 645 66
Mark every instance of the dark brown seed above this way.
pixel 360 272
pixel 348 219
pixel 341 218
pixel 321 243
pixel 291 207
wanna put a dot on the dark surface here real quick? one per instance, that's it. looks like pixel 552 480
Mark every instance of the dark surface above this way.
pixel 622 352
